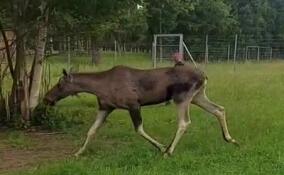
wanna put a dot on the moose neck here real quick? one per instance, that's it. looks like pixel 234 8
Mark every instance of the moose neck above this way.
pixel 88 82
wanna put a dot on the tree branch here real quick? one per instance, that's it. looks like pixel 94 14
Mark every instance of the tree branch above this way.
pixel 9 58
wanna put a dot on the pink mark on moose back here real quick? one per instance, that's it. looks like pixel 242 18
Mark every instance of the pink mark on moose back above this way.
pixel 177 57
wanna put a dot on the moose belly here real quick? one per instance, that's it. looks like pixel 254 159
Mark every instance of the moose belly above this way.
pixel 154 97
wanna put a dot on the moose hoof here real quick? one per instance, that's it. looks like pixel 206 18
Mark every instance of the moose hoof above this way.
pixel 233 141
pixel 166 155
pixel 77 154
pixel 163 148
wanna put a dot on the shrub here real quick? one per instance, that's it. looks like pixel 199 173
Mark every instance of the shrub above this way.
pixel 49 118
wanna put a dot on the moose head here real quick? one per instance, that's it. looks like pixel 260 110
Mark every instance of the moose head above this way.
pixel 62 89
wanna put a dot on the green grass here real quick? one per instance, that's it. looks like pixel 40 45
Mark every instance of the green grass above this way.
pixel 253 96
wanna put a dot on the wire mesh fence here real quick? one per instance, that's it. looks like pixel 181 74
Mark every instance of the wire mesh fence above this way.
pixel 238 47
pixel 203 48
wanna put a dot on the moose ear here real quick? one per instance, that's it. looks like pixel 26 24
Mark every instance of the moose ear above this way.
pixel 67 76
pixel 64 72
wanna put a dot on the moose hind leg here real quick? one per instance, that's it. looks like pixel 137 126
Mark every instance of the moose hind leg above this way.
pixel 138 125
pixel 202 101
pixel 183 122
pixel 101 116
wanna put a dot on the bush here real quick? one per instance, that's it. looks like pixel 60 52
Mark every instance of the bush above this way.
pixel 50 118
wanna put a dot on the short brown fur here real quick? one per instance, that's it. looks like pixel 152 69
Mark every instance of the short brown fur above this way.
pixel 124 87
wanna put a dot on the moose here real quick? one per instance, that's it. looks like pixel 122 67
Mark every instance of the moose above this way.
pixel 128 88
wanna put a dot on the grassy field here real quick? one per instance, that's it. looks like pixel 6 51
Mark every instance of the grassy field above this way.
pixel 253 96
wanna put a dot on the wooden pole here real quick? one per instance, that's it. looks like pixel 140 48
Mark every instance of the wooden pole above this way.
pixel 235 50
pixel 246 54
pixel 115 50
pixel 184 45
pixel 7 108
pixel 69 53
pixel 154 51
pixel 228 54
pixel 181 45
pixel 258 54
pixel 270 56
pixel 154 55
pixel 206 49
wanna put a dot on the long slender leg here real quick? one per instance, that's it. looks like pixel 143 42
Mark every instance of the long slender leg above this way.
pixel 138 125
pixel 202 101
pixel 101 116
pixel 183 122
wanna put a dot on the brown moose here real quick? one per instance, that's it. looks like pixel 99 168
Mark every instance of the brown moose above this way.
pixel 128 88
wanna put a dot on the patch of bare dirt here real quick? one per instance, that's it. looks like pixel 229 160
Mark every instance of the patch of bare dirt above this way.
pixel 45 147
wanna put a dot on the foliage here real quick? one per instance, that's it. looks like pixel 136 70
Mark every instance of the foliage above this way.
pixel 254 17
pixel 51 119
pixel 162 15
pixel 96 17
pixel 123 19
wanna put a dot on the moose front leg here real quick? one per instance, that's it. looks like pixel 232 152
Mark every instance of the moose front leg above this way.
pixel 101 116
pixel 135 114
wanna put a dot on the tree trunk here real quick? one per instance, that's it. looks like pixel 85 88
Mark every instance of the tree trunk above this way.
pixel 18 94
pixel 2 99
pixel 36 72
pixel 2 74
